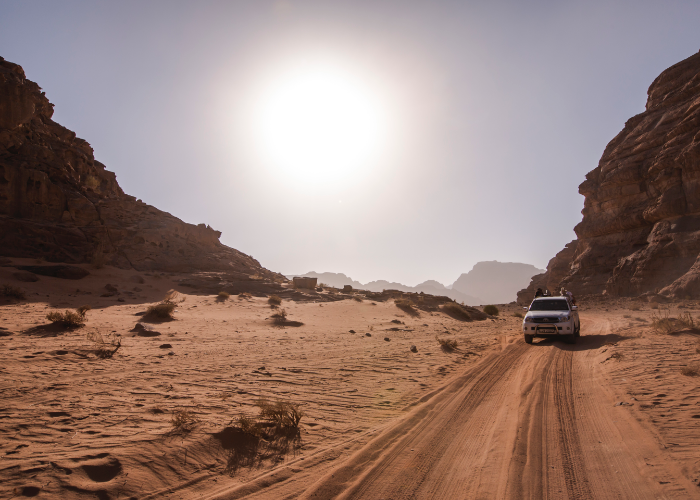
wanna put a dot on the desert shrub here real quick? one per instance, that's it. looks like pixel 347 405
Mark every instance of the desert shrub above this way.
pixel 357 298
pixel 617 355
pixel 105 350
pixel 183 420
pixel 223 296
pixel 70 319
pixel 691 370
pixel 280 316
pixel 274 300
pixel 626 315
pixel 12 292
pixel 406 306
pixel 666 324
pixel 161 310
pixel 517 315
pixel 654 305
pixel 281 413
pixel 491 310
pixel 447 344
pixel 245 295
pixel 456 310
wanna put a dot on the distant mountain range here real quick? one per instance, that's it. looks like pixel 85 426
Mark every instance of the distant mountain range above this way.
pixel 487 283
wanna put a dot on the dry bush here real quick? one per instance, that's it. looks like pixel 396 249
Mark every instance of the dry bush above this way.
pixel 274 300
pixel 666 324
pixel 223 296
pixel 105 350
pixel 183 420
pixel 280 316
pixel 653 305
pixel 357 298
pixel 162 310
pixel 517 315
pixel 617 355
pixel 491 310
pixel 458 311
pixel 69 319
pixel 12 292
pixel 406 306
pixel 691 370
pixel 626 315
pixel 447 344
pixel 281 413
pixel 245 295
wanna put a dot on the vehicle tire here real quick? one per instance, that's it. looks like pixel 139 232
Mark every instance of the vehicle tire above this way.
pixel 528 339
pixel 578 330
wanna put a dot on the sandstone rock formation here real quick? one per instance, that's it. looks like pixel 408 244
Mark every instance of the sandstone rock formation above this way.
pixel 641 219
pixel 58 203
pixel 557 269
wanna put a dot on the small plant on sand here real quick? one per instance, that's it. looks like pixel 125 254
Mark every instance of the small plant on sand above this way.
pixel 691 370
pixel 69 319
pixel 183 420
pixel 223 296
pixel 161 310
pixel 164 309
pixel 244 295
pixel 280 317
pixel 491 310
pixel 517 315
pixel 105 350
pixel 12 292
pixel 281 413
pixel 406 306
pixel 665 324
pixel 274 300
pixel 357 298
pixel 457 311
pixel 447 344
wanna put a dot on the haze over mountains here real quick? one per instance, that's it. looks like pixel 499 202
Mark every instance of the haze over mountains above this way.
pixel 487 283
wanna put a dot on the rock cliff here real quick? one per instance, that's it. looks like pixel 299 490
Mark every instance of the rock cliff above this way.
pixel 58 203
pixel 641 219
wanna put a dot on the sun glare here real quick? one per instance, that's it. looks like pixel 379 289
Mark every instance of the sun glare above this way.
pixel 319 126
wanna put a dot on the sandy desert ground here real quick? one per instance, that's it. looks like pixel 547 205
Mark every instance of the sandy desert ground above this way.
pixel 610 417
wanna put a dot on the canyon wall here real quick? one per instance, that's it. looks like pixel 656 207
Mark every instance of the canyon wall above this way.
pixel 59 204
pixel 641 219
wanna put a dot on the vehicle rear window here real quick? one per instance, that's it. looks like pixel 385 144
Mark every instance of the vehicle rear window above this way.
pixel 549 305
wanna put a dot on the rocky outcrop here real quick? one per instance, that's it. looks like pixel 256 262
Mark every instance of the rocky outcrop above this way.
pixel 641 219
pixel 58 203
pixel 557 269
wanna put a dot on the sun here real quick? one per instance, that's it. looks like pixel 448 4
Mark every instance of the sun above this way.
pixel 319 126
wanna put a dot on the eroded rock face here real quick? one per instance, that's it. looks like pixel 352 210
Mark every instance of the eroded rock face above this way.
pixel 557 269
pixel 58 203
pixel 641 219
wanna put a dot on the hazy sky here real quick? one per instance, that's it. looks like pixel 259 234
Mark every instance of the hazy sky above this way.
pixel 462 129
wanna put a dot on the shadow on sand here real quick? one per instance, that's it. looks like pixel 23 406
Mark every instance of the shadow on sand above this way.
pixel 583 343
pixel 249 450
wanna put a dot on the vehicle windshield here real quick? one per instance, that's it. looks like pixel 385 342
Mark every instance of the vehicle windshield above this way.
pixel 549 305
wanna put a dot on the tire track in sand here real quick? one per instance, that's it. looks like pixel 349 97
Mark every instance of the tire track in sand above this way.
pixel 400 469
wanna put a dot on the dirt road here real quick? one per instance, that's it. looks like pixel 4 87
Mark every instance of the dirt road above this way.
pixel 531 421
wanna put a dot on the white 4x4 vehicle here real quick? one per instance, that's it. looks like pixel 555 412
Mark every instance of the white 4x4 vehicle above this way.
pixel 551 317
